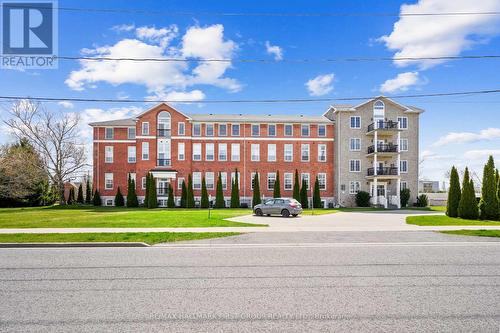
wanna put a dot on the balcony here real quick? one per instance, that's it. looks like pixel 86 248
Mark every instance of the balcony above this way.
pixel 385 171
pixel 383 148
pixel 163 132
pixel 164 162
pixel 383 126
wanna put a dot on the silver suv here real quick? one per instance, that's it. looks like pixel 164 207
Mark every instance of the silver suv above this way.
pixel 278 206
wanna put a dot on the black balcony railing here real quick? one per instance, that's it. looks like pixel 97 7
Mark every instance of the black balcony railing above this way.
pixel 163 133
pixel 384 148
pixel 383 125
pixel 163 191
pixel 163 162
pixel 385 171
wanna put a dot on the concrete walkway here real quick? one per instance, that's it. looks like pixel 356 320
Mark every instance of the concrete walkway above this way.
pixel 342 221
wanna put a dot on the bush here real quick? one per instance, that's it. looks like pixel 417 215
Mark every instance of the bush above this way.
pixel 303 195
pixel 190 194
pixel 404 196
pixel 276 188
pixel 454 194
pixel 88 193
pixel 219 194
pixel 131 194
pixel 152 197
pixel 184 195
pixel 296 186
pixel 422 201
pixel 170 200
pixel 256 190
pixel 235 191
pixel 204 194
pixel 79 198
pixel 488 205
pixel 119 201
pixel 468 209
pixel 71 196
pixel 316 195
pixel 363 199
pixel 96 200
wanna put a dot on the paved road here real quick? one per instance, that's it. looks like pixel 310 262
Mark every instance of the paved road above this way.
pixel 374 281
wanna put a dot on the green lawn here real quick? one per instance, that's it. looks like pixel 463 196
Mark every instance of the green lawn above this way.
pixel 144 237
pixel 481 233
pixel 430 208
pixel 113 217
pixel 432 220
pixel 319 211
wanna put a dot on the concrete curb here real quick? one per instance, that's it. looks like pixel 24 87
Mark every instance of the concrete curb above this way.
pixel 61 245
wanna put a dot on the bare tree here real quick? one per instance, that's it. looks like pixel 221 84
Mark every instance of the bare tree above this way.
pixel 54 137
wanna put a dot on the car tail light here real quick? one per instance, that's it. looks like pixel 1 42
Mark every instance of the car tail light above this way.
pixel 294 205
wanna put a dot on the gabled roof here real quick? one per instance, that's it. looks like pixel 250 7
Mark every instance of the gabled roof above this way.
pixel 118 122
pixel 159 106
pixel 348 107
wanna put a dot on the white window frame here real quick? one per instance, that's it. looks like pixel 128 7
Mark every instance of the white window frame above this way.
pixel 111 130
pixel 354 165
pixel 321 147
pixel 268 131
pixel 235 147
pixel 209 148
pixel 197 153
pixel 307 177
pixel 239 178
pixel 354 187
pixel 271 179
pixel 403 185
pixel 405 169
pixel 354 144
pixel 181 151
pixel 255 126
pixel 196 129
pixel 223 180
pixel 222 148
pixel 181 128
pixel 145 128
pixel 207 126
pixel 271 147
pixel 108 154
pixel 108 176
pixel 402 120
pixel 143 183
pixel 302 127
pixel 255 152
pixel 358 122
pixel 401 144
pixel 196 181
pixel 210 180
pixel 109 202
pixel 321 176
pixel 131 154
pixel 284 129
pixel 289 157
pixel 302 150
pixel 233 127
pixel 180 180
pixel 288 176
pixel 252 176
pixel 145 151
pixel 219 126
pixel 319 132
pixel 131 137
pixel 133 177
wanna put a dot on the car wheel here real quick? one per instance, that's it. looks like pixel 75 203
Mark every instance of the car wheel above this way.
pixel 268 214
pixel 285 213
pixel 258 212
pixel 295 215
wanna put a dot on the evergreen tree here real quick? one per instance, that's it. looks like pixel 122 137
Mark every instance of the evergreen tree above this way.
pixel 454 194
pixel 404 196
pixel 256 190
pixel 183 195
pixel 170 200
pixel 303 195
pixel 277 186
pixel 488 205
pixel 88 193
pixel 96 199
pixel 146 191
pixel 79 197
pixel 235 191
pixel 498 190
pixel 152 196
pixel 190 194
pixel 296 186
pixel 132 200
pixel 119 201
pixel 204 194
pixel 316 195
pixel 71 196
pixel 467 208
pixel 219 194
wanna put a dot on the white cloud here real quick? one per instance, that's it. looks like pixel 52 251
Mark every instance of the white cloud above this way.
pixel 274 50
pixel 482 154
pixel 66 104
pixel 160 77
pixel 320 85
pixel 402 82
pixel 433 36
pixel 487 134
pixel 194 95
pixel 123 28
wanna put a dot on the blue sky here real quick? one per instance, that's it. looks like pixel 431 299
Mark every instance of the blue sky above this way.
pixel 473 121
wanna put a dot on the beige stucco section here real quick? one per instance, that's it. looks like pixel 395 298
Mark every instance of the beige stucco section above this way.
pixel 343 134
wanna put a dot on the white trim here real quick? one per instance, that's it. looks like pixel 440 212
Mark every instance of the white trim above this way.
pixel 115 141
pixel 145 137
pixel 235 138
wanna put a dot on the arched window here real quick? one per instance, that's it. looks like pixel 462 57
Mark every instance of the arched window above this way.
pixel 378 112
pixel 164 124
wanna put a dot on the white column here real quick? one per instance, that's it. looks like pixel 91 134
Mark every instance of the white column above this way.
pixel 375 164
pixel 375 195
pixel 375 141
pixel 398 191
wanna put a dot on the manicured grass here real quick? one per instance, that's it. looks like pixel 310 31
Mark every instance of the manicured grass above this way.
pixel 432 220
pixel 359 209
pixel 113 217
pixel 319 211
pixel 430 208
pixel 144 237
pixel 480 233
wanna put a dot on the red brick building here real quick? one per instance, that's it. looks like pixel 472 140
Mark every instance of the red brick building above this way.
pixel 172 145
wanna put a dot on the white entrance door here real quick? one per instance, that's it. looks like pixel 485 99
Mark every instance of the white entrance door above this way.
pixel 162 187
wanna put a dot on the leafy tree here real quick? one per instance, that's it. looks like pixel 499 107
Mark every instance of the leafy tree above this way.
pixel 96 199
pixel 296 186
pixel 303 195
pixel 404 197
pixel 454 194
pixel 152 197
pixel 363 199
pixel 219 194
pixel 316 195
pixel 204 194
pixel 467 208
pixel 71 196
pixel 256 190
pixel 88 192
pixel 119 201
pixel 277 187
pixel 79 198
pixel 147 190
pixel 190 194
pixel 488 205
pixel 170 200
pixel 132 200
pixel 235 191
pixel 184 195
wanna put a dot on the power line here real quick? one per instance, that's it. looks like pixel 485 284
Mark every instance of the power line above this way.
pixel 304 60
pixel 297 100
